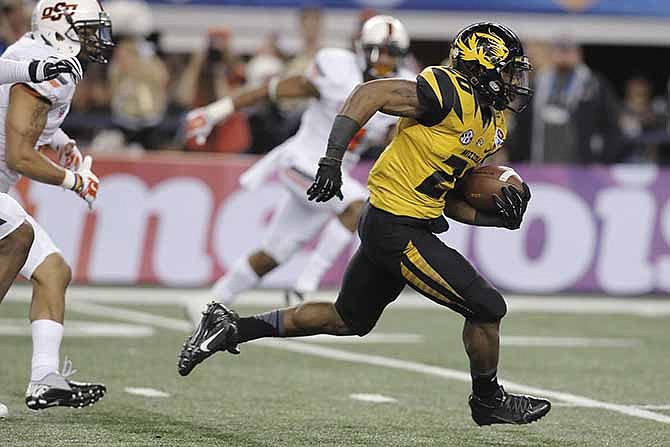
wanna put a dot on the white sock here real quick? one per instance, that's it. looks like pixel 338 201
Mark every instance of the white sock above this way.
pixel 334 238
pixel 240 278
pixel 47 335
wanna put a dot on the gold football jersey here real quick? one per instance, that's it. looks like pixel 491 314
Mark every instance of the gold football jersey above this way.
pixel 428 155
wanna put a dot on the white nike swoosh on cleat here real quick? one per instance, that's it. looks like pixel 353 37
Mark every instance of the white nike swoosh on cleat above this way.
pixel 204 346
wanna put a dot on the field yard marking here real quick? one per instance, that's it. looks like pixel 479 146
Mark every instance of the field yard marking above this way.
pixel 653 407
pixel 447 373
pixel 146 392
pixel 374 398
pixel 132 316
pixel 571 304
pixel 78 328
pixel 642 406
pixel 567 342
pixel 387 362
pixel 375 338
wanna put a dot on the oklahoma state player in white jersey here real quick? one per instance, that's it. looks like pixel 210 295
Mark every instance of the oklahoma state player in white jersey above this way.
pixel 30 116
pixel 328 81
pixel 410 186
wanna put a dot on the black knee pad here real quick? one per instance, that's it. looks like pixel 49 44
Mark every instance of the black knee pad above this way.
pixel 357 326
pixel 487 304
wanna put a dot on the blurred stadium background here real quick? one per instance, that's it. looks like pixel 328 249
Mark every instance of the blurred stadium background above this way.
pixel 594 146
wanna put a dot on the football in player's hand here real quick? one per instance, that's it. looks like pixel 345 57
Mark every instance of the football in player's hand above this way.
pixel 485 181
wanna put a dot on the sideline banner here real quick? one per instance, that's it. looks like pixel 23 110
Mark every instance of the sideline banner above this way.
pixel 182 221
pixel 651 8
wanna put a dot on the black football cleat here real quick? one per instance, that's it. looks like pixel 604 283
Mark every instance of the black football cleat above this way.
pixel 505 408
pixel 217 331
pixel 54 390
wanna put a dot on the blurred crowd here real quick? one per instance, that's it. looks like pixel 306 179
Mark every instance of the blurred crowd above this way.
pixel 137 102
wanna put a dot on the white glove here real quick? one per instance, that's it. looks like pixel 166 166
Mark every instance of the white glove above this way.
pixel 52 67
pixel 83 181
pixel 200 122
pixel 69 156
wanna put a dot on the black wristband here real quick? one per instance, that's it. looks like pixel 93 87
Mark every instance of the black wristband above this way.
pixel 488 220
pixel 32 70
pixel 343 130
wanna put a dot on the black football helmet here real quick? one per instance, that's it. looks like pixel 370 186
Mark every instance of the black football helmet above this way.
pixel 491 56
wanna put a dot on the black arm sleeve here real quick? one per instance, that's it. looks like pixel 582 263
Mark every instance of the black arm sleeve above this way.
pixel 343 130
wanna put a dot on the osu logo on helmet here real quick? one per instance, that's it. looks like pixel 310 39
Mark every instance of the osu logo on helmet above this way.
pixel 57 11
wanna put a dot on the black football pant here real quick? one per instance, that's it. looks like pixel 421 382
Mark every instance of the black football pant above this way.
pixel 396 251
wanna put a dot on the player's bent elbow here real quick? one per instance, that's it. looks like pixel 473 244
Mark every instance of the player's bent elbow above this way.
pixel 18 162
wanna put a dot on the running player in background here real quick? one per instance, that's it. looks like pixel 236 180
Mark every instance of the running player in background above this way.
pixel 329 80
pixel 452 120
pixel 30 116
pixel 12 71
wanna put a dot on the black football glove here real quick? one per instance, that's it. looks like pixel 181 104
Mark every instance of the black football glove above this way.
pixel 52 67
pixel 328 181
pixel 512 205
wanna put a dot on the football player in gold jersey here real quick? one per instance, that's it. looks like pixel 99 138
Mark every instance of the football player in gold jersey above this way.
pixel 451 120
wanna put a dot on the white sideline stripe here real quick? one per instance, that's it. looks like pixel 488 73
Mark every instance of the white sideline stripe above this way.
pixel 338 354
pixel 375 338
pixel 653 407
pixel 320 351
pixel 146 392
pixel 573 304
pixel 388 362
pixel 643 406
pixel 130 315
pixel 375 398
pixel 567 342
pixel 75 328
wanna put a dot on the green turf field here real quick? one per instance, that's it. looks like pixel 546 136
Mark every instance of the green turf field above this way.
pixel 271 396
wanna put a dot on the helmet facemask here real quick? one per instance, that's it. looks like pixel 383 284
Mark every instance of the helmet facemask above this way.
pixel 515 77
pixel 382 44
pixel 383 60
pixel 94 36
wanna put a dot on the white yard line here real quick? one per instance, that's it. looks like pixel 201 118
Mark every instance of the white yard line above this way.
pixel 386 362
pixel 374 398
pixel 567 342
pixel 375 338
pixel 146 392
pixel 641 406
pixel 77 328
pixel 653 407
pixel 447 373
pixel 571 304
pixel 132 316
